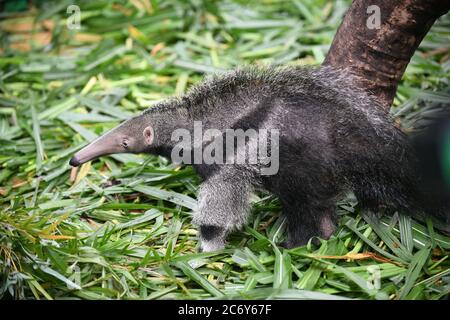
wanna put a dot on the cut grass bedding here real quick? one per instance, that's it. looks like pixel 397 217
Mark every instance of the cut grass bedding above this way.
pixel 120 227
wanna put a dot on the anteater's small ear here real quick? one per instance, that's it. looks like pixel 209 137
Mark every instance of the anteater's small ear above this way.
pixel 148 135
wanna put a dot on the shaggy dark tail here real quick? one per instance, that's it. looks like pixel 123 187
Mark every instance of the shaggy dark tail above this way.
pixel 408 173
pixel 406 187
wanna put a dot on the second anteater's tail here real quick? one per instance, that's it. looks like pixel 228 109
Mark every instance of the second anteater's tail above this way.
pixel 431 146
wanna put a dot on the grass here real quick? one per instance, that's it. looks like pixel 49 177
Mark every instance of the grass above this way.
pixel 120 227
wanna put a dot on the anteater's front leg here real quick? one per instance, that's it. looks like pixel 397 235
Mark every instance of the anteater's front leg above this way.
pixel 223 207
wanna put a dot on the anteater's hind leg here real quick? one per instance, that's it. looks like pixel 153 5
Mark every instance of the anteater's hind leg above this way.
pixel 308 203
pixel 308 207
pixel 305 220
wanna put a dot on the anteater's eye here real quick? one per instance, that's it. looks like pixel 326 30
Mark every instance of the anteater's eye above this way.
pixel 125 143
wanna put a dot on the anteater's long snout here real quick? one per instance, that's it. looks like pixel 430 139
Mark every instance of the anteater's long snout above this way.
pixel 102 146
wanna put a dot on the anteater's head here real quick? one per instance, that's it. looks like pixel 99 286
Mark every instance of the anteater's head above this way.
pixel 135 135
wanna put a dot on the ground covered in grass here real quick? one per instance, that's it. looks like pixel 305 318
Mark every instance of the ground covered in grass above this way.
pixel 120 227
